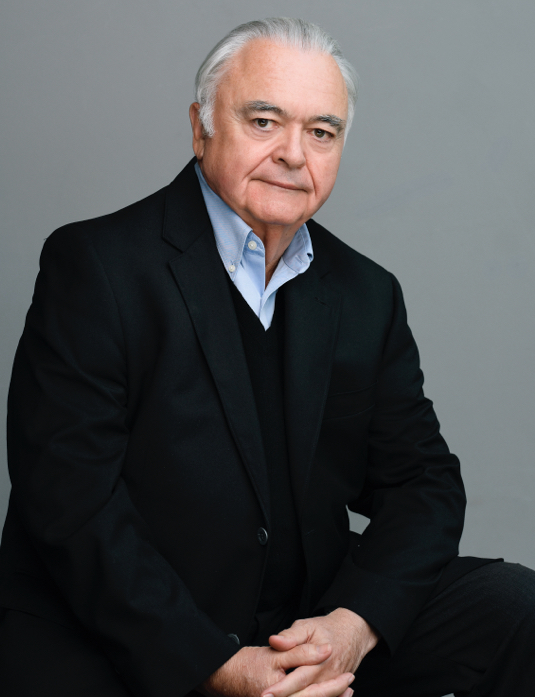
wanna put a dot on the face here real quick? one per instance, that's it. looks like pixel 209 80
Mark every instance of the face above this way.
pixel 279 122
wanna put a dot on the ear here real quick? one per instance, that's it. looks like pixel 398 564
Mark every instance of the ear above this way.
pixel 199 137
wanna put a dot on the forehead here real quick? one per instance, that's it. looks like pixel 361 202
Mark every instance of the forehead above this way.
pixel 293 79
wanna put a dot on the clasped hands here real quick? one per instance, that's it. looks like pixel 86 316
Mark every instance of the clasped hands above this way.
pixel 322 654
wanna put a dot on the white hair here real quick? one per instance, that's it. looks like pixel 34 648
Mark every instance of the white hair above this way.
pixel 296 33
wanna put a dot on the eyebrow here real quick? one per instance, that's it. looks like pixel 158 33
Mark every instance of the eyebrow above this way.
pixel 334 121
pixel 258 105
pixel 250 107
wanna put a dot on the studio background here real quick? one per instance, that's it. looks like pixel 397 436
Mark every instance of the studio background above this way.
pixel 436 184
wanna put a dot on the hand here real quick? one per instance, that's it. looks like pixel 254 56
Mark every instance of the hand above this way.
pixel 253 669
pixel 350 637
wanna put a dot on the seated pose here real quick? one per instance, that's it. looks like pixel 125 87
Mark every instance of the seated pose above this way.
pixel 207 381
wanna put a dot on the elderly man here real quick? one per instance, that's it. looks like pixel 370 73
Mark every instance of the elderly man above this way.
pixel 206 381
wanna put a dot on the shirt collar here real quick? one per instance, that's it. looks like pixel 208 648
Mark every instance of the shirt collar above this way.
pixel 231 233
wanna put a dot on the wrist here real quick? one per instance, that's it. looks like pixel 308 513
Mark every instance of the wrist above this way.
pixel 222 680
pixel 366 635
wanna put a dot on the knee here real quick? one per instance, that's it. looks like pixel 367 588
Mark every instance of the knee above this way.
pixel 517 586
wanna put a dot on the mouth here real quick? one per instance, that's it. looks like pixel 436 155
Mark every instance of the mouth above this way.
pixel 283 185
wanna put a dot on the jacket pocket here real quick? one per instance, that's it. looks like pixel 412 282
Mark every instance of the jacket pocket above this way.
pixel 343 404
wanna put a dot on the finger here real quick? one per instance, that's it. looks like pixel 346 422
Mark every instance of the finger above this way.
pixel 330 688
pixel 348 693
pixel 293 682
pixel 303 655
pixel 282 643
pixel 288 638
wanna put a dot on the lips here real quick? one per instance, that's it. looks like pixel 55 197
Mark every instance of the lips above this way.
pixel 283 185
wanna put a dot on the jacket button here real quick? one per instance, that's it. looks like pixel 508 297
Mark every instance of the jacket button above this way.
pixel 235 638
pixel 262 536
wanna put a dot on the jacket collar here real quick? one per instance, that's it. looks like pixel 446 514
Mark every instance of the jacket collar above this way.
pixel 185 217
pixel 312 309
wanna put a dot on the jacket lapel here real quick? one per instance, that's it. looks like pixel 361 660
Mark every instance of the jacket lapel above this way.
pixel 201 279
pixel 312 315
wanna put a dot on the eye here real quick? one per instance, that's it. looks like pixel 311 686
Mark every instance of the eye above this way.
pixel 321 134
pixel 262 123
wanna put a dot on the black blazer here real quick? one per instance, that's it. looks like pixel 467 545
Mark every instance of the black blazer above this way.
pixel 139 481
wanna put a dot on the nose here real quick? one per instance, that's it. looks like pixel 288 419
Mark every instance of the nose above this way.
pixel 289 150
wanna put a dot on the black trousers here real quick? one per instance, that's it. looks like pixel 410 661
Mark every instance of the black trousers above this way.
pixel 476 638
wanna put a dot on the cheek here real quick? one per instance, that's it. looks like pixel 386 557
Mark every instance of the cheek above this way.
pixel 238 164
pixel 324 179
pixel 221 174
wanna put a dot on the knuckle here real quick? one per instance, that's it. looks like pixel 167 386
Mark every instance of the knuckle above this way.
pixel 280 674
pixel 317 690
pixel 324 691
pixel 308 649
pixel 310 675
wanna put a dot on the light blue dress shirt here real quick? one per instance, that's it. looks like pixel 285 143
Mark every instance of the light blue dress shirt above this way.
pixel 243 255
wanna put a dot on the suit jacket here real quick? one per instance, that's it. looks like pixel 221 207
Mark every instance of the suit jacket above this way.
pixel 138 472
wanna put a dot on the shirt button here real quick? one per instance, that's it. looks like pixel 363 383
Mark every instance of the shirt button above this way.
pixel 262 536
pixel 235 638
pixel 252 245
pixel 232 268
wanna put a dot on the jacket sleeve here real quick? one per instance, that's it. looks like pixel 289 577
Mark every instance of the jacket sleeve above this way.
pixel 413 495
pixel 67 439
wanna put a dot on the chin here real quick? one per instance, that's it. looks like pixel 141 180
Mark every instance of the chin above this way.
pixel 279 207
pixel 276 215
pixel 281 220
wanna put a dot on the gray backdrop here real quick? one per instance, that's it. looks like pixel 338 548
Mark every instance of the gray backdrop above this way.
pixel 436 184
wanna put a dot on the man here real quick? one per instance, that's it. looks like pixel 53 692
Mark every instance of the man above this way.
pixel 206 380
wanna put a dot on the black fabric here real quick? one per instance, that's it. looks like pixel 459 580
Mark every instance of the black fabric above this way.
pixel 40 658
pixel 475 638
pixel 138 470
pixel 282 582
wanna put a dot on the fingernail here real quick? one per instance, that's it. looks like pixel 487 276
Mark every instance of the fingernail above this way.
pixel 351 680
pixel 323 648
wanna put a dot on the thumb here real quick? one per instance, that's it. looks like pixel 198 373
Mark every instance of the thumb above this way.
pixel 289 638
